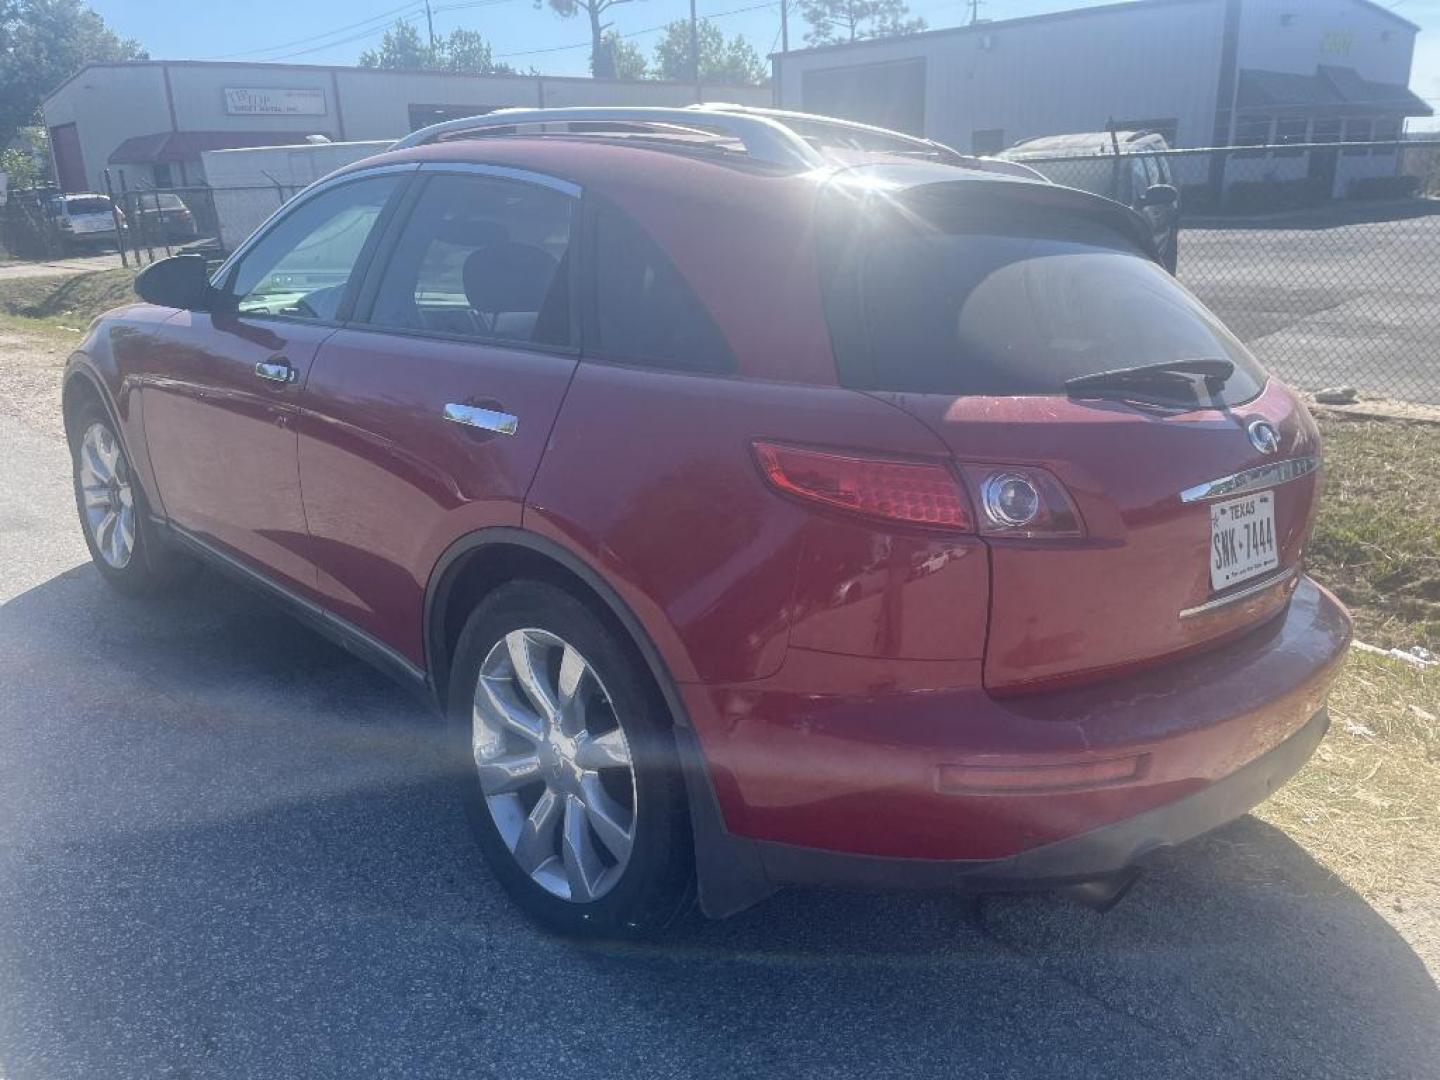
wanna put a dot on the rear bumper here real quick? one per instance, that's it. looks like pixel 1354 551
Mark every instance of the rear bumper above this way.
pixel 1098 853
pixel 850 788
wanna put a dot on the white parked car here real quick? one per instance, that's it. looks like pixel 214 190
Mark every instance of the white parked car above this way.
pixel 85 218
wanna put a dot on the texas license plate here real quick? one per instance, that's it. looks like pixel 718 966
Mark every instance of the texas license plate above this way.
pixel 1242 539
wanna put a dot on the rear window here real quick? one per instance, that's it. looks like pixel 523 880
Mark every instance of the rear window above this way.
pixel 1011 304
pixel 91 204
pixel 165 202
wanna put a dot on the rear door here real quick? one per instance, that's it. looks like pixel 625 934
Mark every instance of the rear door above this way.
pixel 971 309
pixel 223 387
pixel 426 417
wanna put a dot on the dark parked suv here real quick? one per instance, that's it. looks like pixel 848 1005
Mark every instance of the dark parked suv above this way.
pixel 1127 166
pixel 760 507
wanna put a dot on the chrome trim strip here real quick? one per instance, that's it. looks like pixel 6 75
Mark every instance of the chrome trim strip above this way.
pixel 1262 476
pixel 1244 594
pixel 502 423
pixel 504 172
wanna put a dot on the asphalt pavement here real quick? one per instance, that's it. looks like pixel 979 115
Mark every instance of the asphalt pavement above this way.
pixel 1344 294
pixel 224 853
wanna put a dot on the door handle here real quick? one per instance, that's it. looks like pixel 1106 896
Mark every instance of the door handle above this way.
pixel 277 370
pixel 502 423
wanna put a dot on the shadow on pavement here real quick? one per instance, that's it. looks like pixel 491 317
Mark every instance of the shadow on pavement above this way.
pixel 224 851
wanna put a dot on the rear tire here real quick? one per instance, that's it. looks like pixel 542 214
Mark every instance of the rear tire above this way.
pixel 114 517
pixel 567 766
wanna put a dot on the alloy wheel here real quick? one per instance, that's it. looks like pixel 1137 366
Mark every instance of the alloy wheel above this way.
pixel 554 765
pixel 109 499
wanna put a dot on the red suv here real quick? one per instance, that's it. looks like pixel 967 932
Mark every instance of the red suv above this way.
pixel 764 500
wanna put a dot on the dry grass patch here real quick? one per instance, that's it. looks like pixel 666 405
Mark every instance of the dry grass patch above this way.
pixel 1368 804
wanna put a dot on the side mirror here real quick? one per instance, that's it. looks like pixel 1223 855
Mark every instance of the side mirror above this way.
pixel 180 281
pixel 1160 195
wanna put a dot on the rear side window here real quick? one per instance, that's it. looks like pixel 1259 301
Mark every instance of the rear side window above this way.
pixel 1010 305
pixel 644 310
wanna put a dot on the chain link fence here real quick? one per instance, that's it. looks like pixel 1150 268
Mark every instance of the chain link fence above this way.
pixel 1324 258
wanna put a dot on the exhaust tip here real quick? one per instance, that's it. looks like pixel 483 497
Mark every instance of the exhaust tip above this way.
pixel 1102 894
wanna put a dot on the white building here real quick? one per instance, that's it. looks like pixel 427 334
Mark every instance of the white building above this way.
pixel 152 120
pixel 1203 72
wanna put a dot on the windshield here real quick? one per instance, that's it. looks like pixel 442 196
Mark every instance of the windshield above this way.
pixel 1017 306
pixel 1099 176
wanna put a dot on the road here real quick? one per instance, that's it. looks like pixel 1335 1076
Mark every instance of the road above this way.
pixel 1328 299
pixel 223 853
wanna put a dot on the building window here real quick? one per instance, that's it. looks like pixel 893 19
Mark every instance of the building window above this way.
pixel 1358 129
pixel 1289 132
pixel 987 141
pixel 1325 131
pixel 1252 131
pixel 1387 129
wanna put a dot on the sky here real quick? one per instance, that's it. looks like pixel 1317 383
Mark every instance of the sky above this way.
pixel 337 31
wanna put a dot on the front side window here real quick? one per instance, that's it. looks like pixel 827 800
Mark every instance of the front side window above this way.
pixel 302 267
pixel 483 258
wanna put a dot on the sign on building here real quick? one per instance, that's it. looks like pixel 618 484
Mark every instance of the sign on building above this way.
pixel 274 101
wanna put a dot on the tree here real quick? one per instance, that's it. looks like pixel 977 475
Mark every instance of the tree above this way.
pixel 626 59
pixel 735 61
pixel 602 62
pixel 468 53
pixel 42 43
pixel 834 21
pixel 401 47
pixel 463 51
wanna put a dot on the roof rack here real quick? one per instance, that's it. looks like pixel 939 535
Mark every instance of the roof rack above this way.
pixel 831 131
pixel 764 138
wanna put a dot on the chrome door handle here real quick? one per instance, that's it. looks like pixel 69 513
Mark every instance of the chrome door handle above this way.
pixel 278 371
pixel 502 423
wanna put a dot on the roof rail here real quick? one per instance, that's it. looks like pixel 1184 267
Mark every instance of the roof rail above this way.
pixel 765 139
pixel 816 127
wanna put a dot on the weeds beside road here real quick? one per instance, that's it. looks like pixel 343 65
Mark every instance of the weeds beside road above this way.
pixel 1368 805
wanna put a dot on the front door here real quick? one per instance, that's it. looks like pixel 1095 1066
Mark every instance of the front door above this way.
pixel 221 398
pixel 426 417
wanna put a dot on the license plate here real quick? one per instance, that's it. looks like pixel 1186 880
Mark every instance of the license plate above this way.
pixel 1242 539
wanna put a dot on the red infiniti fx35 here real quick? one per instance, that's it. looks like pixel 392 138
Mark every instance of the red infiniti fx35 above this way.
pixel 764 499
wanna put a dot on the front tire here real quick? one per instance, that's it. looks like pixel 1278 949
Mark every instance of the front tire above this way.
pixel 111 505
pixel 568 766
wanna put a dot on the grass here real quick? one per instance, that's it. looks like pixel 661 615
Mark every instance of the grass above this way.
pixel 1377 540
pixel 63 306
pixel 1368 803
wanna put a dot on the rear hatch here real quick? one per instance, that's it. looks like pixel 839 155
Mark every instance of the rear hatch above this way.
pixel 1184 495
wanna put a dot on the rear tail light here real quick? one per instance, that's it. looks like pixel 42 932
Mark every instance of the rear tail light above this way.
pixel 1023 501
pixel 916 493
pixel 1014 500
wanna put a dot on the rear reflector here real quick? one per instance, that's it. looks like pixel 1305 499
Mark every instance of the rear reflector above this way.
pixel 913 492
pixel 1002 779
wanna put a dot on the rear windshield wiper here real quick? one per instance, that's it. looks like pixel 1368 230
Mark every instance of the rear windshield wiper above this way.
pixel 1213 370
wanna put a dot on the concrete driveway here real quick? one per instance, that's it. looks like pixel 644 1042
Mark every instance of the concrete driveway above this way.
pixel 224 853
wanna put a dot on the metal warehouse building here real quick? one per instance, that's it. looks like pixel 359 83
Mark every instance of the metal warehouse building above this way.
pixel 153 119
pixel 1203 72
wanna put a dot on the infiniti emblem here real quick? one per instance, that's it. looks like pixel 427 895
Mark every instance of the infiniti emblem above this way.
pixel 1263 436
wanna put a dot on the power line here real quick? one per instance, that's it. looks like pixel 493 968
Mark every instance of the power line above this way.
pixel 413 5
pixel 633 33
